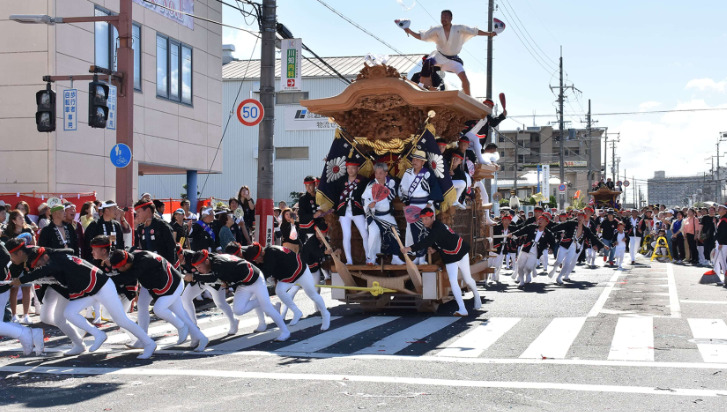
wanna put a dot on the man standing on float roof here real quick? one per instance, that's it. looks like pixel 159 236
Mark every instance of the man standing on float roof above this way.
pixel 449 39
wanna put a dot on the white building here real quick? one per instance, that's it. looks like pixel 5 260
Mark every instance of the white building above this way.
pixel 301 139
pixel 177 97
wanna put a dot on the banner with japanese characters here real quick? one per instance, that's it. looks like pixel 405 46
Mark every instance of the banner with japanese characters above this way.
pixel 290 60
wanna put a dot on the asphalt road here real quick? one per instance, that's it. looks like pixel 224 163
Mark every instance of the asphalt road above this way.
pixel 647 338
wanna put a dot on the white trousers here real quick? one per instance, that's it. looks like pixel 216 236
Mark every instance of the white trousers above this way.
pixel 501 260
pixel 168 308
pixel 461 268
pixel 374 237
pixel 308 285
pixel 107 297
pixel 619 255
pixel 318 275
pixel 570 258
pixel 526 263
pixel 720 260
pixel 634 244
pixel 51 313
pixel 218 296
pixel 476 145
pixel 484 197
pixel 256 296
pixel 360 222
pixel 459 186
pixel 591 256
pixel 9 329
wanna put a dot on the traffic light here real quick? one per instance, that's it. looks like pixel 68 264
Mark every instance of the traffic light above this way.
pixel 98 109
pixel 45 116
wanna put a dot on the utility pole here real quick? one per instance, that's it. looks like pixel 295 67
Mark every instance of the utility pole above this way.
pixel 490 139
pixel 590 151
pixel 264 207
pixel 490 12
pixel 561 156
pixel 517 134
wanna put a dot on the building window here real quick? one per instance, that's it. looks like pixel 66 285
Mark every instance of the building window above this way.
pixel 136 45
pixel 291 153
pixel 534 138
pixel 174 70
pixel 105 37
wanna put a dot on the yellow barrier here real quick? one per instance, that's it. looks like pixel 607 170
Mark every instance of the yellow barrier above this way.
pixel 661 242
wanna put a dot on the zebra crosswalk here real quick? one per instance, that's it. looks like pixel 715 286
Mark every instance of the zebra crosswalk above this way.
pixel 629 338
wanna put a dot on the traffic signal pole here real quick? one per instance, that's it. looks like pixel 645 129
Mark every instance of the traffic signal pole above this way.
pixel 122 79
pixel 125 107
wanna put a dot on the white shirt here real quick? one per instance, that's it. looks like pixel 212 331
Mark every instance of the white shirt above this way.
pixel 458 35
pixel 538 235
pixel 407 180
pixel 620 243
pixel 634 225
pixel 381 205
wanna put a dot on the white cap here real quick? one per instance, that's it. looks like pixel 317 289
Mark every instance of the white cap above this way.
pixel 207 211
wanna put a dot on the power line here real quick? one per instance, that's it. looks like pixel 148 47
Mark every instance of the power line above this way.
pixel 204 19
pixel 353 23
pixel 232 111
pixel 522 27
pixel 629 113
pixel 516 30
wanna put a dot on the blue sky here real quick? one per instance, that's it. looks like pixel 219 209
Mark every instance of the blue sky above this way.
pixel 626 56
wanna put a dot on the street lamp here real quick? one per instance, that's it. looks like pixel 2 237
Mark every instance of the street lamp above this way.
pixel 125 97
pixel 34 19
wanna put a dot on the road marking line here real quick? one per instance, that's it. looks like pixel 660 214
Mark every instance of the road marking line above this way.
pixel 555 340
pixel 706 302
pixel 334 336
pixel 710 329
pixel 479 339
pixel 598 306
pixel 396 380
pixel 633 339
pixel 676 310
pixel 249 340
pixel 402 339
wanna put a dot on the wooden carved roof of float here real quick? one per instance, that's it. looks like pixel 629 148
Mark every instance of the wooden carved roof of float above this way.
pixel 381 105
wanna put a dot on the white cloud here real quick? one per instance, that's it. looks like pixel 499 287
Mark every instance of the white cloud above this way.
pixel 707 84
pixel 243 42
pixel 679 143
pixel 645 106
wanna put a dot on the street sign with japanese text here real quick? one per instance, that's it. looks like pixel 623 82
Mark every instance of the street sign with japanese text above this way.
pixel 111 102
pixel 290 61
pixel 70 110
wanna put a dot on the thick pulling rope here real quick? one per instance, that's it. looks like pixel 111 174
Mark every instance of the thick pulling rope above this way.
pixel 375 288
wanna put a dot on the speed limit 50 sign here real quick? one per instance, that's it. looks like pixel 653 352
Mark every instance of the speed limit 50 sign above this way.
pixel 250 112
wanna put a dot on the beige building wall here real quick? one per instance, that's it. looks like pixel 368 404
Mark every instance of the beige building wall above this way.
pixel 169 137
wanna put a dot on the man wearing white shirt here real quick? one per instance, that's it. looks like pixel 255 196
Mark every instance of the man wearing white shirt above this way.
pixel 379 217
pixel 449 39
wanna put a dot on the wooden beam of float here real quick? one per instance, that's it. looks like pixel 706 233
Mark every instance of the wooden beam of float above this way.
pixel 381 105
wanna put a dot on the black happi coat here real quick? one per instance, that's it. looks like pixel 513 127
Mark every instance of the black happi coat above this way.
pixel 528 233
pixel 230 269
pixel 154 273
pixel 282 264
pixel 79 277
pixel 452 248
